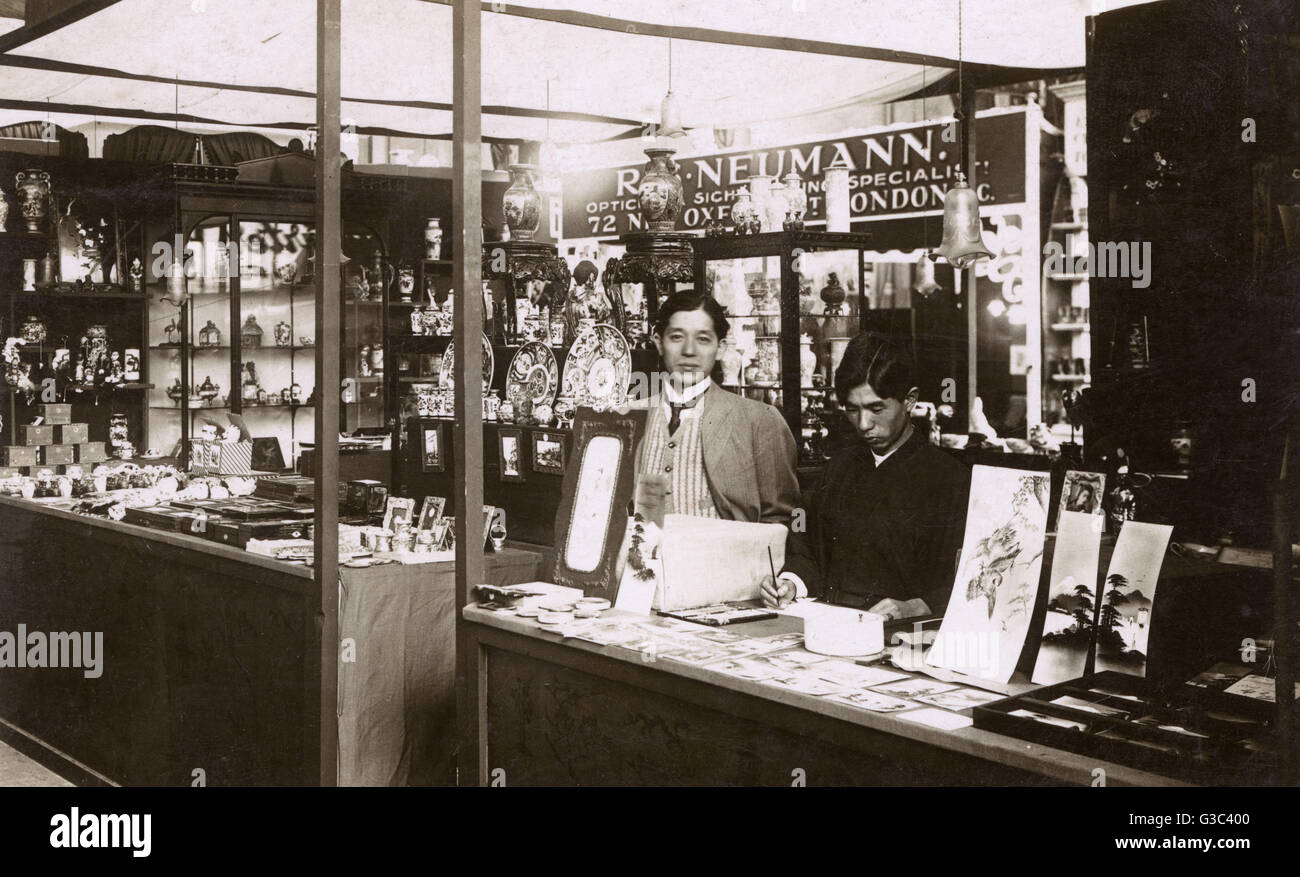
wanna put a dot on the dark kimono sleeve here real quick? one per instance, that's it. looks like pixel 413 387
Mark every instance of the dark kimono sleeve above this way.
pixel 942 537
pixel 805 552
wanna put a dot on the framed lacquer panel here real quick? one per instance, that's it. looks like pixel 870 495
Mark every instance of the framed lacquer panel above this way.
pixel 598 485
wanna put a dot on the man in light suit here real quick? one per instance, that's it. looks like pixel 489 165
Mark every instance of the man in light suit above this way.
pixel 719 454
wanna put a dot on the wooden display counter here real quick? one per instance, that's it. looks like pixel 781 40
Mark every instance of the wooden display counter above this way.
pixel 210 662
pixel 568 712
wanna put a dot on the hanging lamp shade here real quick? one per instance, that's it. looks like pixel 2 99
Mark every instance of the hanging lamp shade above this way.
pixel 963 238
pixel 925 283
pixel 670 117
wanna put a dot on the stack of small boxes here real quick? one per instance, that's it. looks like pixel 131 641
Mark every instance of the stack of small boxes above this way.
pixel 54 444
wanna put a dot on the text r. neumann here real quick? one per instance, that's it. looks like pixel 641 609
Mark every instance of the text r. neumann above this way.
pixel 35 649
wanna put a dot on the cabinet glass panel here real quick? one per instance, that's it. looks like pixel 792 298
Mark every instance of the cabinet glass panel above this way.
pixel 749 290
pixel 207 266
pixel 277 331
pixel 362 402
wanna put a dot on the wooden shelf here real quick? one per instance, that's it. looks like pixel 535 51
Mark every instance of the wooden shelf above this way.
pixel 116 388
pixel 54 295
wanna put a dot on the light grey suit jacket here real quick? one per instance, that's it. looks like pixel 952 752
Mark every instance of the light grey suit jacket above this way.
pixel 749 457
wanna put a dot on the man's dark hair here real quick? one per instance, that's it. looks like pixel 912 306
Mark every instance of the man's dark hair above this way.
pixel 873 359
pixel 689 300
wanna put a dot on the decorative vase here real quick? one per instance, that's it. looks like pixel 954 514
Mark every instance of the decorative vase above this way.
pixel 543 414
pixel 836 187
pixel 378 277
pixel 492 405
pixel 807 361
pixel 4 211
pixel 33 331
pixel 250 334
pixel 417 321
pixel 751 372
pixel 744 214
pixel 521 203
pixel 406 283
pixel 660 195
pixel 33 187
pixel 248 391
pixel 564 411
pixel 1183 445
pixel 377 358
pixel 778 203
pixel 283 334
pixel 506 413
pixel 797 201
pixel 760 189
pixel 769 359
pixel 432 239
pixel 732 363
pixel 47 271
pixel 833 295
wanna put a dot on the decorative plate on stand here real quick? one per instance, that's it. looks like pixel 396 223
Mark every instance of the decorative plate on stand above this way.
pixel 598 370
pixel 449 364
pixel 534 374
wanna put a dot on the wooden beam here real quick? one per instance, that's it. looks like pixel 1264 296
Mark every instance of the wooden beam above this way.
pixel 49 24
pixel 329 247
pixel 467 234
pixel 30 63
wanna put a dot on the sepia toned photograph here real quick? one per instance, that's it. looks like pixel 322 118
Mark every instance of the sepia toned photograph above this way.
pixel 659 394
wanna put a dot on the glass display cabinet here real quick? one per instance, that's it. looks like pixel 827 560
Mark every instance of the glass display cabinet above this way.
pixel 244 340
pixel 794 300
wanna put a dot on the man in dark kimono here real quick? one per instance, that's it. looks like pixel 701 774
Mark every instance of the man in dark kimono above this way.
pixel 885 527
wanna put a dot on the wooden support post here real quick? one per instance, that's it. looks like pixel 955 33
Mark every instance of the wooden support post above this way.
pixel 1283 630
pixel 467 234
pixel 329 240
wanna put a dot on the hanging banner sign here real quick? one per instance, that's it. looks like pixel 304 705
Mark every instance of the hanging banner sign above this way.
pixel 896 170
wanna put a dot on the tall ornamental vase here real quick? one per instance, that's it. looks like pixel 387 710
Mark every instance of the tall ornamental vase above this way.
pixel 660 195
pixel 34 196
pixel 522 204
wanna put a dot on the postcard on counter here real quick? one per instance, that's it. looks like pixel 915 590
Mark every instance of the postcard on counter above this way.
pixel 962 699
pixel 808 683
pixel 870 700
pixel 744 668
pixel 938 718
pixel 915 688
pixel 1258 687
pixel 856 675
pixel 721 637
pixel 700 654
pixel 797 661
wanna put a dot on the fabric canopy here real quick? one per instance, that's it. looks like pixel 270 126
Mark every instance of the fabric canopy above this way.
pixel 251 64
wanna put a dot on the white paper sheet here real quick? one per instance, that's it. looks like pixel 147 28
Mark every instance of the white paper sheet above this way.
pixel 1128 597
pixel 937 718
pixel 996 587
pixel 708 560
pixel 1068 624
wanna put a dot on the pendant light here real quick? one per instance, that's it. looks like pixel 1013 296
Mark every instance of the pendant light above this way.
pixel 670 114
pixel 963 238
pixel 925 284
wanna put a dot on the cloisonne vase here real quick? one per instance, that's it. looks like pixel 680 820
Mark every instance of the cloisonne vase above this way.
pixel 34 194
pixel 660 196
pixel 521 203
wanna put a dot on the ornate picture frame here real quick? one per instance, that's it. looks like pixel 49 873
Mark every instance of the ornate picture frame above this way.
pixel 598 485
pixel 510 453
pixel 433 455
pixel 548 452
